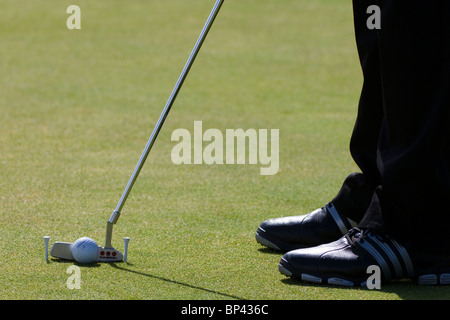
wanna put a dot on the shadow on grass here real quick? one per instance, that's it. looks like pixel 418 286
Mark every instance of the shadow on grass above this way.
pixel 89 265
pixel 187 285
pixel 270 251
pixel 404 289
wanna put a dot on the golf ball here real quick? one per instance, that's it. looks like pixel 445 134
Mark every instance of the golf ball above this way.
pixel 85 250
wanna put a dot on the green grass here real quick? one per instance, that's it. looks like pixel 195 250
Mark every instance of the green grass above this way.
pixel 77 107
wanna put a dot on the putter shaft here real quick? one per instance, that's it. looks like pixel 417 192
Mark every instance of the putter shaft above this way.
pixel 116 214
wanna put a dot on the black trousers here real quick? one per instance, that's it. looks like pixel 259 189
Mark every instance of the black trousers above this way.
pixel 401 138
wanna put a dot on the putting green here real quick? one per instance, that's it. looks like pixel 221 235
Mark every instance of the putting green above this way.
pixel 77 107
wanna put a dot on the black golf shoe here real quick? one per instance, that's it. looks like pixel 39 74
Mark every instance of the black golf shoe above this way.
pixel 346 261
pixel 317 227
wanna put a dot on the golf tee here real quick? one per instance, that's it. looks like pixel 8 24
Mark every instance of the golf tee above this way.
pixel 46 241
pixel 126 240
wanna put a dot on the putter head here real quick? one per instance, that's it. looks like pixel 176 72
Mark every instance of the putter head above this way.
pixel 63 250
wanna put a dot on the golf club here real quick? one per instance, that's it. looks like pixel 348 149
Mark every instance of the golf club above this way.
pixel 63 250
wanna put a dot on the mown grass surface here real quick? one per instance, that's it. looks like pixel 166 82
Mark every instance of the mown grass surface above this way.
pixel 77 107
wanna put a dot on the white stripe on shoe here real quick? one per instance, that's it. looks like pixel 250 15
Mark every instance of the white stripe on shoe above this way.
pixel 392 258
pixel 337 218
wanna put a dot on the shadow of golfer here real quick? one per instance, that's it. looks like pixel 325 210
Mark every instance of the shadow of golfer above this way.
pixel 187 285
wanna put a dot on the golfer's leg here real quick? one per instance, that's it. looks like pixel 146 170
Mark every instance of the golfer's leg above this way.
pixel 414 147
pixel 356 193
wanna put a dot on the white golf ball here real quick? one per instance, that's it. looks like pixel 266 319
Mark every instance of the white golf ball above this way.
pixel 85 250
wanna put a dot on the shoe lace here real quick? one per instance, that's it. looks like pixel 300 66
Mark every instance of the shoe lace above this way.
pixel 357 235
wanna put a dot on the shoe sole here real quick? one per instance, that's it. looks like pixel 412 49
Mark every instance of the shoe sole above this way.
pixel 320 280
pixel 427 279
pixel 434 279
pixel 263 241
pixel 262 238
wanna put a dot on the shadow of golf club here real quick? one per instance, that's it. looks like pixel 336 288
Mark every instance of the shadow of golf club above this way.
pixel 187 285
